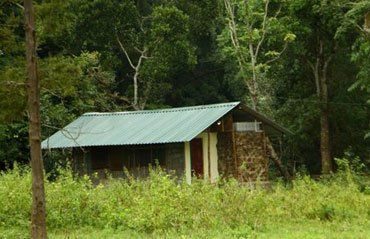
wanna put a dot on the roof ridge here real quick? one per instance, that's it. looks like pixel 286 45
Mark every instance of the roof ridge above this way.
pixel 175 109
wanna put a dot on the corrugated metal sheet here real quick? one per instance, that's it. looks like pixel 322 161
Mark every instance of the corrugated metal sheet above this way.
pixel 138 127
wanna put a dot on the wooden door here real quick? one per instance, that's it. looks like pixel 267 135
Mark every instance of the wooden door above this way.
pixel 196 153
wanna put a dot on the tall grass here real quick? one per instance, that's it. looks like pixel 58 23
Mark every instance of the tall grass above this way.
pixel 160 203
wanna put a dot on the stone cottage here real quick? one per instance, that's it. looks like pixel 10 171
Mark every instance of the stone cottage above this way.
pixel 206 141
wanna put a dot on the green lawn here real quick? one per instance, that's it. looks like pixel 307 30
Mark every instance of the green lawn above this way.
pixel 305 229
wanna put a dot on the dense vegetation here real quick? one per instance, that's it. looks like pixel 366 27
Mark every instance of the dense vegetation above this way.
pixel 161 206
pixel 278 56
pixel 304 63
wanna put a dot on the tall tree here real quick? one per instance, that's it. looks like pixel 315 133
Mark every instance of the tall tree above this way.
pixel 38 216
pixel 319 63
pixel 248 30
pixel 146 49
pixel 319 66
pixel 357 20
pixel 254 37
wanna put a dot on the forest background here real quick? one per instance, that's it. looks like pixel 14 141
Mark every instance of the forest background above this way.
pixel 304 63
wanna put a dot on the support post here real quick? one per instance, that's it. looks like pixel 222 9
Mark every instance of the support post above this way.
pixel 236 172
pixel 187 162
pixel 209 154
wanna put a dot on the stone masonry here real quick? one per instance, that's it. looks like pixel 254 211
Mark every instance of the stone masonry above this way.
pixel 247 159
pixel 226 162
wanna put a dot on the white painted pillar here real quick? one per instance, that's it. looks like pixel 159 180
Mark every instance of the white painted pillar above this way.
pixel 187 162
pixel 204 137
pixel 214 157
pixel 210 172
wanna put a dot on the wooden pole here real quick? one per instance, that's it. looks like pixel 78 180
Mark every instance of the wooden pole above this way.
pixel 38 218
pixel 234 150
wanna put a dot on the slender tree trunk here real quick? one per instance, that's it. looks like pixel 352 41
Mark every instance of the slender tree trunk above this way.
pixel 325 149
pixel 253 85
pixel 283 170
pixel 136 101
pixel 38 218
pixel 326 161
pixel 254 97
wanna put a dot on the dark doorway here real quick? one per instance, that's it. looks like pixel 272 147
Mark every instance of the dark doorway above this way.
pixel 196 153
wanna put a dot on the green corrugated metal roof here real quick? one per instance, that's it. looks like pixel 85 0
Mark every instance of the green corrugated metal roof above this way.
pixel 138 127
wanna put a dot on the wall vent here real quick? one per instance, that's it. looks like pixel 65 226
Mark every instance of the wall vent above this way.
pixel 247 126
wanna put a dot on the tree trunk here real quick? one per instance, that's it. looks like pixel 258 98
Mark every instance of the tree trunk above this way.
pixel 253 84
pixel 283 170
pixel 136 101
pixel 326 161
pixel 320 71
pixel 38 218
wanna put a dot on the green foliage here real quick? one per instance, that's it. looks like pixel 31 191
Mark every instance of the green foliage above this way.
pixel 102 21
pixel 190 60
pixel 170 39
pixel 11 22
pixel 170 49
pixel 70 86
pixel 15 196
pixel 254 36
pixel 13 144
pixel 77 83
pixel 295 100
pixel 12 90
pixel 360 56
pixel 55 21
pixel 160 204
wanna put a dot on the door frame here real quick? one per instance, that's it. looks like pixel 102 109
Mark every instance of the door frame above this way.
pixel 197 165
pixel 213 156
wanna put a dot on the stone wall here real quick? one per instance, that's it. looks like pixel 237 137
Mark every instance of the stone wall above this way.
pixel 251 153
pixel 226 162
pixel 247 159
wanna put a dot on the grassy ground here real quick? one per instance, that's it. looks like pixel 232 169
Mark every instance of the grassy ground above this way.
pixel 304 230
pixel 159 207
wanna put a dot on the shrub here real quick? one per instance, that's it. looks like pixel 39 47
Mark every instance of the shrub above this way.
pixel 159 203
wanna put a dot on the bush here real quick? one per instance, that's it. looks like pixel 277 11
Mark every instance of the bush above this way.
pixel 159 203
